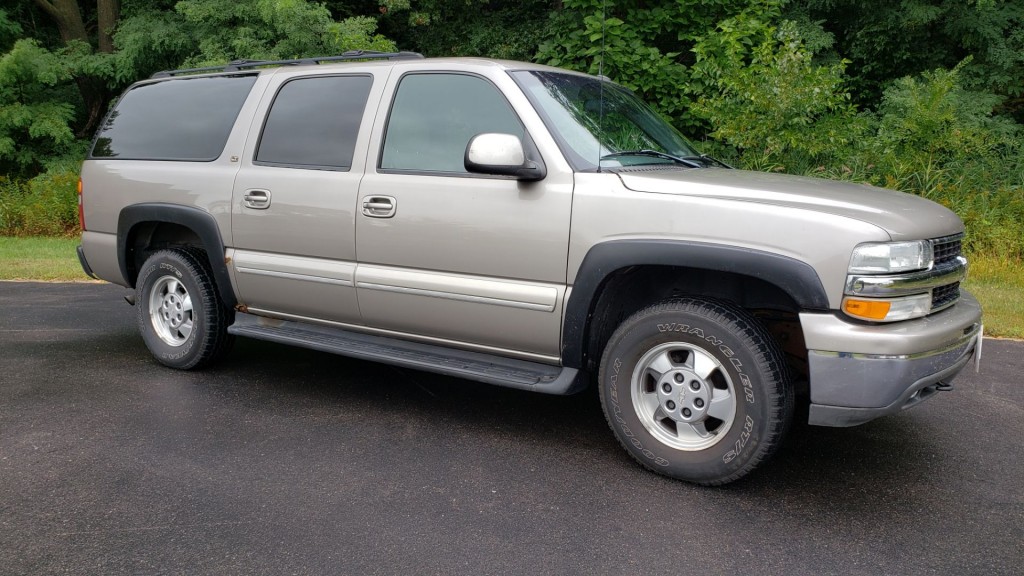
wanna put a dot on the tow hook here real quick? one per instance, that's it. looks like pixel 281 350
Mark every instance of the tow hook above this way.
pixel 943 387
pixel 130 299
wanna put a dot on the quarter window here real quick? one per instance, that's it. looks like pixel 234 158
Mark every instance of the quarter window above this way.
pixel 179 119
pixel 314 122
pixel 434 116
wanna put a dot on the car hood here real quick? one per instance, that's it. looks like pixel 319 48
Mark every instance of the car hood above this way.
pixel 903 216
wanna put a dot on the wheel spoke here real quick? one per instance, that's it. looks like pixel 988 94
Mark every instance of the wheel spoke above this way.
pixel 173 286
pixel 698 428
pixel 652 404
pixel 186 304
pixel 185 329
pixel 659 414
pixel 660 364
pixel 722 405
pixel 703 365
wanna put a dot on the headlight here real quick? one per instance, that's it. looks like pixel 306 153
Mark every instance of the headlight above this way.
pixel 889 257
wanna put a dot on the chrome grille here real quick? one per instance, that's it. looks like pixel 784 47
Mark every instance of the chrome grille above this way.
pixel 945 295
pixel 947 248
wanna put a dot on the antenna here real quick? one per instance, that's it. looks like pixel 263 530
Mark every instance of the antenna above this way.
pixel 600 90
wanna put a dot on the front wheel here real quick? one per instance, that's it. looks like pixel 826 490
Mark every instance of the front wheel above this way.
pixel 181 317
pixel 696 390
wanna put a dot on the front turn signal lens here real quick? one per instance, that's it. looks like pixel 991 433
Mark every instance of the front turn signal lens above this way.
pixel 875 310
pixel 888 309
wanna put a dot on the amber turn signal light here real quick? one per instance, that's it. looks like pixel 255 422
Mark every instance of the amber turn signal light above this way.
pixel 867 309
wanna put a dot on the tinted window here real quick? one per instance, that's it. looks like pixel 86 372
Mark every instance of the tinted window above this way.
pixel 434 116
pixel 314 122
pixel 182 119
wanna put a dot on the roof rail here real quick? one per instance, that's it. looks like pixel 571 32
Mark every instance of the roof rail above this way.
pixel 236 65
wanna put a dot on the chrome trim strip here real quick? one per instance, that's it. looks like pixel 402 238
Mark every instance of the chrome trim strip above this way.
pixel 270 316
pixel 294 276
pixel 907 284
pixel 456 297
pixel 960 342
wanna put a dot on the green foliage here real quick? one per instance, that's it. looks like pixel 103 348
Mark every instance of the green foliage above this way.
pixel 10 30
pixel 271 29
pixel 760 89
pixel 147 42
pixel 493 29
pixel 46 205
pixel 647 49
pixel 935 116
pixel 36 109
pixel 937 139
pixel 887 40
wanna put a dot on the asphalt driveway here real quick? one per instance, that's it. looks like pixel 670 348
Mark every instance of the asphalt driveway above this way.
pixel 286 461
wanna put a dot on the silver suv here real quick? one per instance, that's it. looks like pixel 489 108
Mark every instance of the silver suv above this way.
pixel 523 226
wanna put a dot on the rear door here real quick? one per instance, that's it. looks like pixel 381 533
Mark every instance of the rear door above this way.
pixel 294 198
pixel 445 255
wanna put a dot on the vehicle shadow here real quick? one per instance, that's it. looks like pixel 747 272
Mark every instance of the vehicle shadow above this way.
pixel 870 458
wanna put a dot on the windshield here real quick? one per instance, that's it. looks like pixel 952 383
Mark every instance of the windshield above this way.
pixel 589 126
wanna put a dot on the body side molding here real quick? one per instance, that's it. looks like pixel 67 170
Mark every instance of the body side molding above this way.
pixel 197 220
pixel 797 279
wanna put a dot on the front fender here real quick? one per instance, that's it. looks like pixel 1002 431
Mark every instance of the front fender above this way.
pixel 796 278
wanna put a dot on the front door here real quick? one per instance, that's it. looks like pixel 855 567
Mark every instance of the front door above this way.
pixel 449 256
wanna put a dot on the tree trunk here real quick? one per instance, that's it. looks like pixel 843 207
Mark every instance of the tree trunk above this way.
pixel 107 13
pixel 68 17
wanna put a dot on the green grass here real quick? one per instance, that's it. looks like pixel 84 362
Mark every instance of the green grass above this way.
pixel 50 259
pixel 998 284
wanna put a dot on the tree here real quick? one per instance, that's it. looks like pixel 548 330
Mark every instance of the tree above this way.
pixel 645 46
pixel 886 40
pixel 65 60
pixel 67 15
pixel 489 28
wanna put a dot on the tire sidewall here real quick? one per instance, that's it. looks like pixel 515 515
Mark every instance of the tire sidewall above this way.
pixel 156 267
pixel 741 444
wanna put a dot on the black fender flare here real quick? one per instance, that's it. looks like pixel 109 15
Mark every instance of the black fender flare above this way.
pixel 796 278
pixel 199 221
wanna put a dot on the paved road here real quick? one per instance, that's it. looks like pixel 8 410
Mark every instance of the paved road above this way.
pixel 283 461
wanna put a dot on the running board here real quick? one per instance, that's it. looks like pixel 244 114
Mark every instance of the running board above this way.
pixel 478 366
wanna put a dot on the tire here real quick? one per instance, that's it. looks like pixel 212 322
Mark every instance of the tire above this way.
pixel 696 390
pixel 181 316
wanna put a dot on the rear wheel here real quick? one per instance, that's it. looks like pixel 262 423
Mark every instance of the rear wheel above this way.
pixel 181 317
pixel 696 390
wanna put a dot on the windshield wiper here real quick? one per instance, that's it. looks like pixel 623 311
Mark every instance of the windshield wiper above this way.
pixel 691 161
pixel 707 159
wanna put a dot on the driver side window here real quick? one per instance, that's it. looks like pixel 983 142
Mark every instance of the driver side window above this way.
pixel 434 116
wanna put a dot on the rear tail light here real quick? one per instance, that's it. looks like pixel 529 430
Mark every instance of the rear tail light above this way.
pixel 81 207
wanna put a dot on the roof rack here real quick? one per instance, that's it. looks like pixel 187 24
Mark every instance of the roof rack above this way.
pixel 237 65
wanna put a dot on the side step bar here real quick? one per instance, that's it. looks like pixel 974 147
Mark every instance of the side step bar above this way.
pixel 478 366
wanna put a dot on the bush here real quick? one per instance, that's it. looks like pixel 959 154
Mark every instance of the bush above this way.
pixel 761 90
pixel 46 205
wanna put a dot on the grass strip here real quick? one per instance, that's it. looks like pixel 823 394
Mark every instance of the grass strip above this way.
pixel 999 286
pixel 47 259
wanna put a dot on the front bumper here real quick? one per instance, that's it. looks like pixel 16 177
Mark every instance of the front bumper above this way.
pixel 859 372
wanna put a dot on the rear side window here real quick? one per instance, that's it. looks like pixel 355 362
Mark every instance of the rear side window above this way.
pixel 181 119
pixel 314 122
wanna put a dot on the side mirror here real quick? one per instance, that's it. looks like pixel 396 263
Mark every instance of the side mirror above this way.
pixel 501 155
